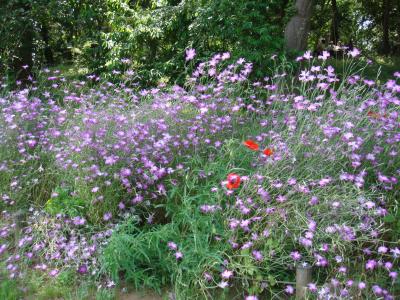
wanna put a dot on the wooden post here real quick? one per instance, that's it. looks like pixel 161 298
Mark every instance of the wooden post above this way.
pixel 303 278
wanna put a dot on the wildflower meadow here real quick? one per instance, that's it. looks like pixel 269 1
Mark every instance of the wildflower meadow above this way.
pixel 218 188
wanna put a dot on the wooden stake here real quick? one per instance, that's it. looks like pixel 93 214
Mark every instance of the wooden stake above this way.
pixel 303 278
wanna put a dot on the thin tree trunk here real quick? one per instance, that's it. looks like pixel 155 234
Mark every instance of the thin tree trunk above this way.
pixel 335 23
pixel 152 44
pixel 296 31
pixel 23 61
pixel 48 52
pixel 385 25
pixel 24 58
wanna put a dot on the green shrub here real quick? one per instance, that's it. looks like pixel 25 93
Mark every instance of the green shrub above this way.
pixel 65 203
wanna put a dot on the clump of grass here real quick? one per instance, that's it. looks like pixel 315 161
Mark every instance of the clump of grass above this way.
pixel 9 289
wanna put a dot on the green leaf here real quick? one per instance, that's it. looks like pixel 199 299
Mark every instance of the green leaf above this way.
pixel 271 280
pixel 389 218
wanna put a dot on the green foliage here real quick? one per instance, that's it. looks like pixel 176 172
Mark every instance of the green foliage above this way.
pixel 139 255
pixel 49 31
pixel 9 290
pixel 155 36
pixel 64 286
pixel 359 22
pixel 65 203
pixel 37 178
pixel 105 294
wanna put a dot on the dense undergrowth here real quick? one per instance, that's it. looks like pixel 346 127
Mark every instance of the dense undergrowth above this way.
pixel 215 189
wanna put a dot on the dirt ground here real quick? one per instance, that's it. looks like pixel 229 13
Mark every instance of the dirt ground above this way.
pixel 132 295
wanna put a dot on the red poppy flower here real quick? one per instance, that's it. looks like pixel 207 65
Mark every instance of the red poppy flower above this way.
pixel 376 115
pixel 268 151
pixel 373 114
pixel 251 145
pixel 233 181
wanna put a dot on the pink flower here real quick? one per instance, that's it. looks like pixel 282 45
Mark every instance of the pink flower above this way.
pixel 295 255
pixel 313 201
pixel 370 265
pixel 354 53
pixel 227 274
pixel 207 276
pixel 107 216
pixel 257 255
pixel 53 273
pixel 178 255
pixel 225 56
pixel 307 55
pixel 31 143
pixel 3 248
pixel 82 269
pixel 125 172
pixel 393 275
pixel 190 54
pixel 382 249
pixel 395 252
pixel 289 290
pixel 312 287
pixel 325 55
pixel 172 246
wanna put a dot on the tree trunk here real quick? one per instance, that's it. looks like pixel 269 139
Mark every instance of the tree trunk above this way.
pixel 296 31
pixel 385 25
pixel 23 60
pixel 335 23
pixel 48 52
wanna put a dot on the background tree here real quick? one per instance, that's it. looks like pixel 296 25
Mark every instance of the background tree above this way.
pixel 296 31
pixel 385 27
pixel 17 32
pixel 334 36
pixel 153 34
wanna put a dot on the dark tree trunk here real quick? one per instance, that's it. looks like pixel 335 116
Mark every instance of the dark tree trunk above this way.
pixel 152 44
pixel 335 23
pixel 296 31
pixel 282 11
pixel 48 52
pixel 23 58
pixel 385 25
